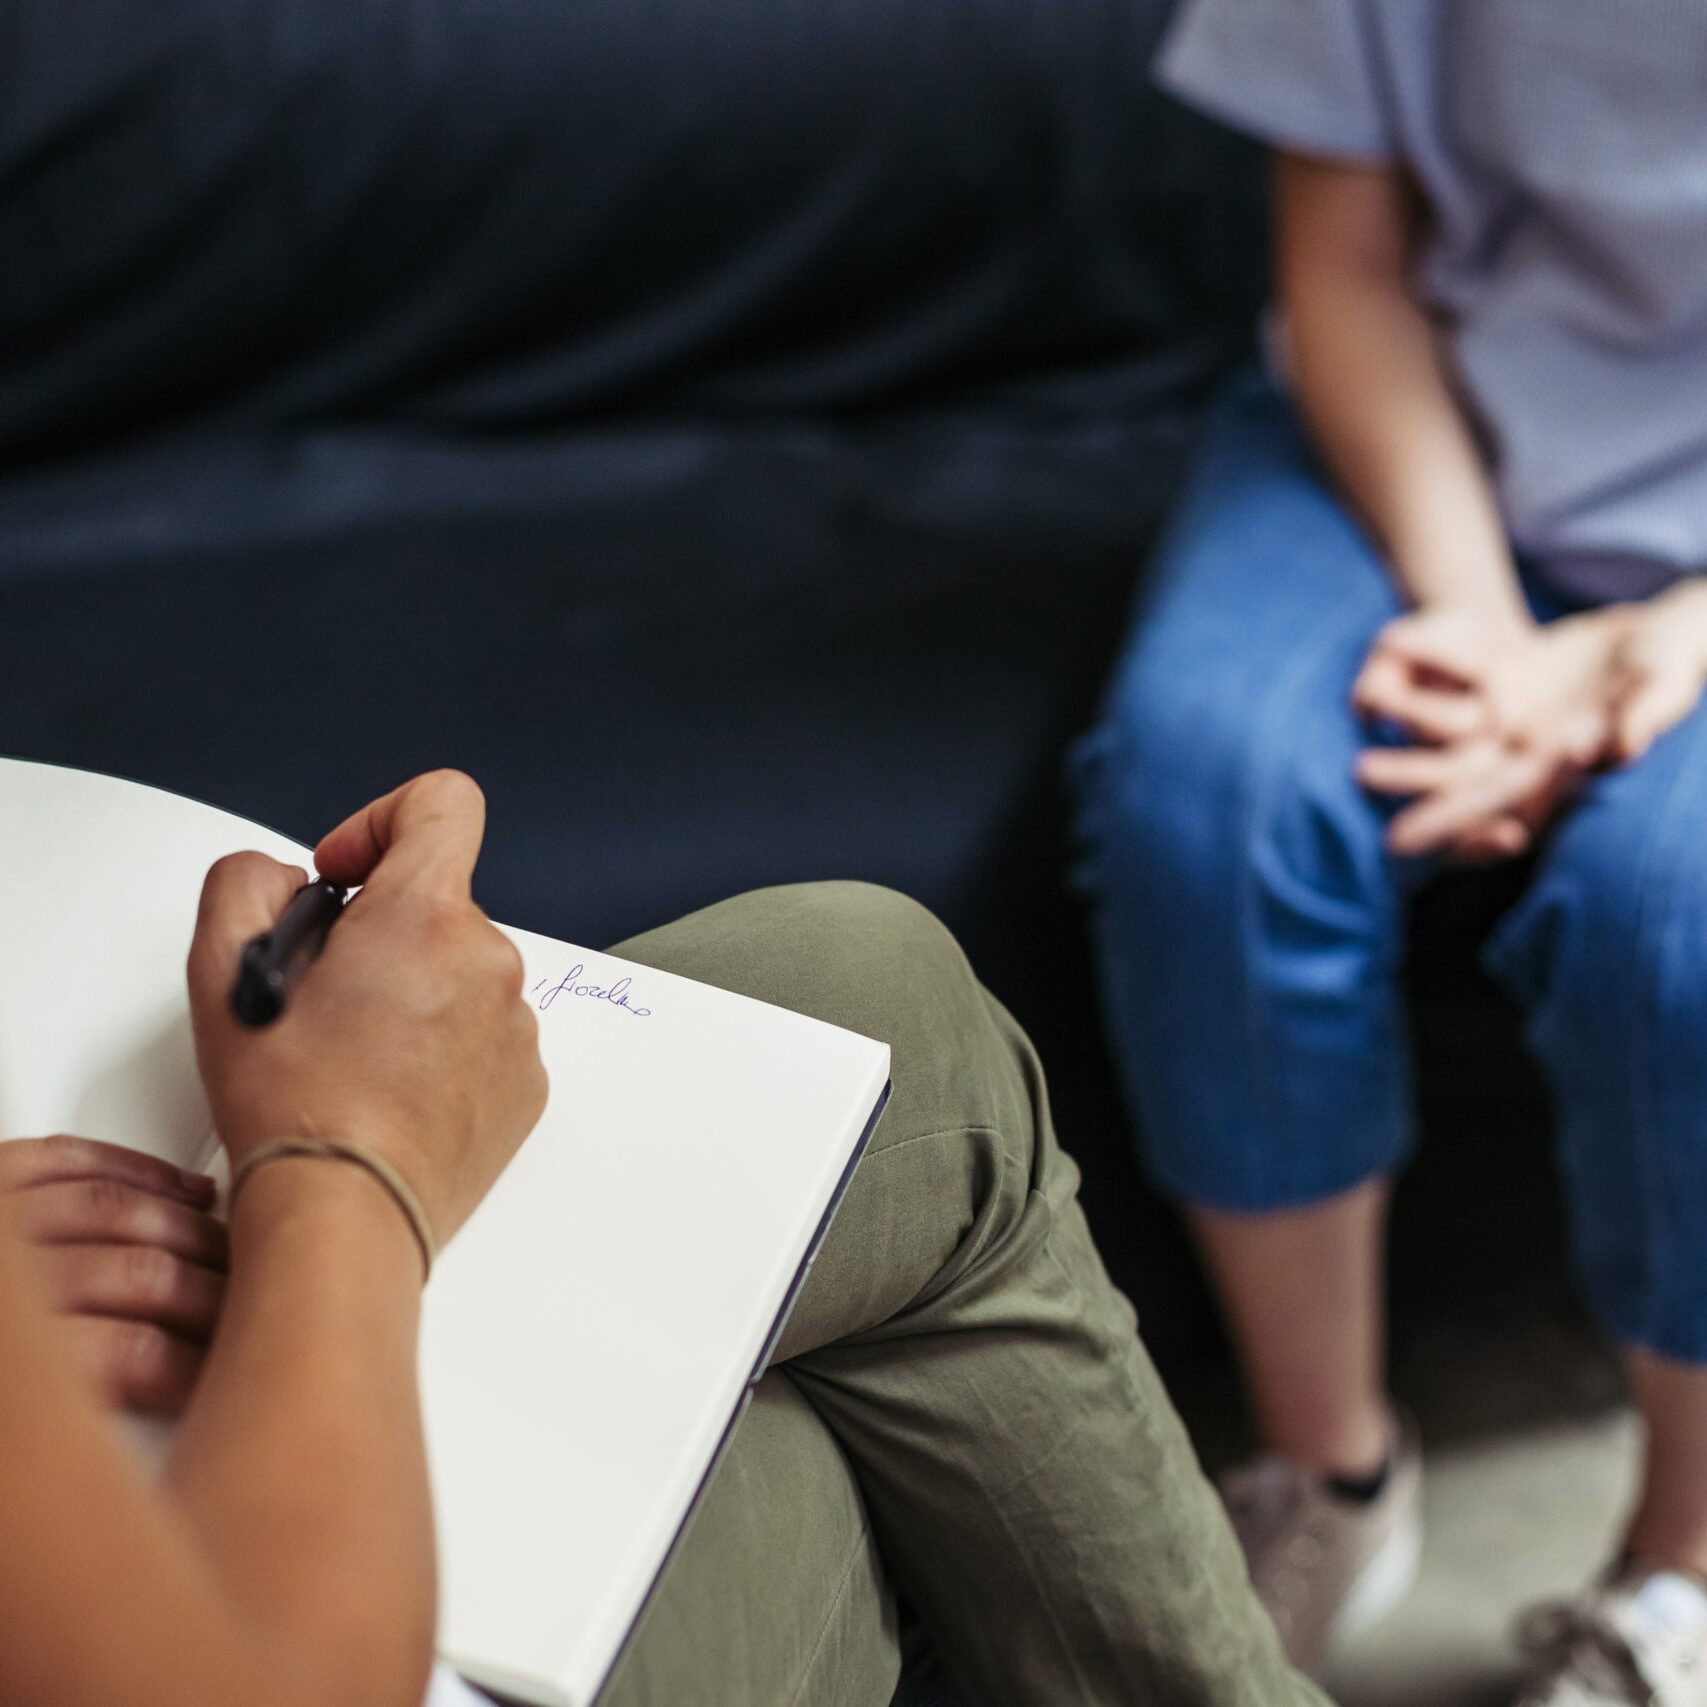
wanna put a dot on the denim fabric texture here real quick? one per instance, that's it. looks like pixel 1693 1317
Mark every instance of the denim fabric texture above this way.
pixel 1249 923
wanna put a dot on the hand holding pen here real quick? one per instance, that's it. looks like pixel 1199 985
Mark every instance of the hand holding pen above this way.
pixel 406 1037
pixel 272 962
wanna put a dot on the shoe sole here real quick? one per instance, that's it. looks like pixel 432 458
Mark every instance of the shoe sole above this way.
pixel 1382 1583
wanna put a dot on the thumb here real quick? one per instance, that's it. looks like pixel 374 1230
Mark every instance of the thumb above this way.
pixel 1439 641
pixel 428 830
pixel 1650 707
pixel 1587 736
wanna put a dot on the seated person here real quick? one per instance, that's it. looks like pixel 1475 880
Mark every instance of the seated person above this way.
pixel 1441 600
pixel 959 1412
pixel 462 215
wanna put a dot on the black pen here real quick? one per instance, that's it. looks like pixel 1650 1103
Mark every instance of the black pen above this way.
pixel 273 961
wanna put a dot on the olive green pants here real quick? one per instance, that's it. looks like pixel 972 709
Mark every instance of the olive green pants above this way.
pixel 959 1409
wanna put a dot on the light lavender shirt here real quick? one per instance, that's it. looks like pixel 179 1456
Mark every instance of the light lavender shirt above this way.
pixel 1563 147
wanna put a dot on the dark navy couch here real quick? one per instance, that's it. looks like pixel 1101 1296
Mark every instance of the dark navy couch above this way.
pixel 730 429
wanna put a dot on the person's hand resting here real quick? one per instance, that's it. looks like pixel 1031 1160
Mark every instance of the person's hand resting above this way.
pixel 408 1036
pixel 1659 667
pixel 1510 719
pixel 132 1257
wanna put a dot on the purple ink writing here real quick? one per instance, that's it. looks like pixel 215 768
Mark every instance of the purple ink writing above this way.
pixel 616 994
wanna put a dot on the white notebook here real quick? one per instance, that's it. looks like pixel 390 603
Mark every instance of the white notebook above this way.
pixel 590 1336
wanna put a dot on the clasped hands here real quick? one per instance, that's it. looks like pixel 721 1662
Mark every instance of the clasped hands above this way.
pixel 408 1036
pixel 1507 718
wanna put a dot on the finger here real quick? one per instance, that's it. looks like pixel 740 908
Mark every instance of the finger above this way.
pixel 1581 739
pixel 1658 704
pixel 1383 686
pixel 141 1283
pixel 429 830
pixel 109 1212
pixel 1390 674
pixel 242 896
pixel 1437 819
pixel 1411 770
pixel 134 1365
pixel 1444 646
pixel 1433 714
pixel 1491 841
pixel 43 1161
pixel 1383 676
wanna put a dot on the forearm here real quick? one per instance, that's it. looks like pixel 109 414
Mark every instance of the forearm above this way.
pixel 1368 378
pixel 287 1558
pixel 116 1590
pixel 287 1561
pixel 299 1466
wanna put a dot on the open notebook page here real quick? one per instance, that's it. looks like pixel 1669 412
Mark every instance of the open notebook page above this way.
pixel 591 1332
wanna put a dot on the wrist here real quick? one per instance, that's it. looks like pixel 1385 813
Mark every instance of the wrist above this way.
pixel 316 1216
pixel 1466 568
pixel 1500 617
pixel 372 1162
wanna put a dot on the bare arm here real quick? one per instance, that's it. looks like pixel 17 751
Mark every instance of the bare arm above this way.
pixel 119 1593
pixel 1368 378
pixel 1509 716
pixel 287 1560
pixel 299 1467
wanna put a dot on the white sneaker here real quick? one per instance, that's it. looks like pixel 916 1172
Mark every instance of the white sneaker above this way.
pixel 1638 1639
pixel 1323 1565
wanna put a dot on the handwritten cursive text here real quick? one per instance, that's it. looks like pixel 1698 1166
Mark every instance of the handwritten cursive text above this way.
pixel 616 994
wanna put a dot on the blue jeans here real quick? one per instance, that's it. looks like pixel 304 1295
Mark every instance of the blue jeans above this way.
pixel 1249 921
